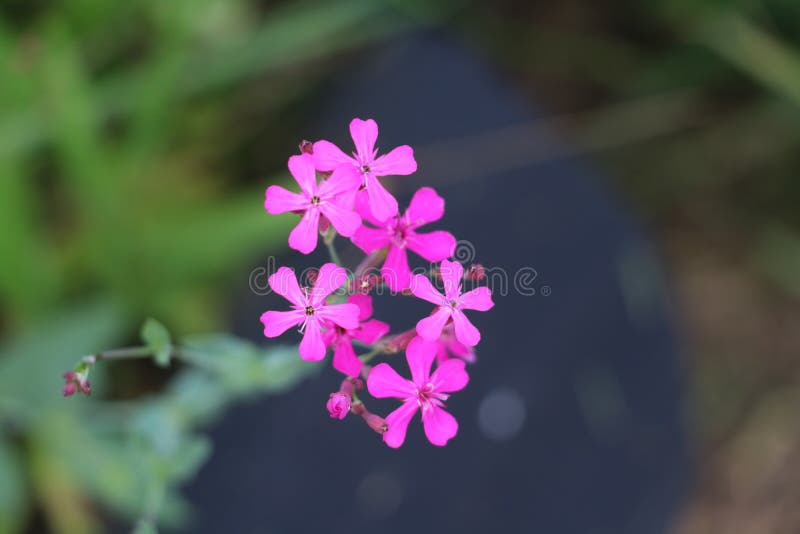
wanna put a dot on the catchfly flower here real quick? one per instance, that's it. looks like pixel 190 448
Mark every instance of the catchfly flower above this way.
pixel 365 159
pixel 368 331
pixel 399 234
pixel 425 392
pixel 309 310
pixel 331 199
pixel 451 304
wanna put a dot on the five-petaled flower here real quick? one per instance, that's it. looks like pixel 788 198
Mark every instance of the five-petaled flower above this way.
pixel 332 199
pixel 400 161
pixel 309 309
pixel 368 331
pixel 451 304
pixel 425 391
pixel 399 233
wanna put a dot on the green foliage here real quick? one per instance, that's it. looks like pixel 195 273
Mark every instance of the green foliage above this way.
pixel 156 336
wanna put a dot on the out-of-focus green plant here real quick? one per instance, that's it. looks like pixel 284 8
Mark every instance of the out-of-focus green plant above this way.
pixel 118 122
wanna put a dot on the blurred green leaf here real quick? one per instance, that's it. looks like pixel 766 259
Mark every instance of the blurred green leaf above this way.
pixel 156 336
pixel 32 362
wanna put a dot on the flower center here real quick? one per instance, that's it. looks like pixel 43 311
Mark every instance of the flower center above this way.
pixel 365 169
pixel 315 200
pixel 427 397
pixel 309 310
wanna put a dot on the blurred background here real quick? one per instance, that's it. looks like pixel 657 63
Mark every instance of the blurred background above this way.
pixel 136 139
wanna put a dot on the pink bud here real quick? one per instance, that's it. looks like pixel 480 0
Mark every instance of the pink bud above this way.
pixel 338 405
pixel 375 422
pixel 399 341
pixel 306 147
pixel 69 390
pixel 476 272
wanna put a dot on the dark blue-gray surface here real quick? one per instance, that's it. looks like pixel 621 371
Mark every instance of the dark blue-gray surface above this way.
pixel 572 420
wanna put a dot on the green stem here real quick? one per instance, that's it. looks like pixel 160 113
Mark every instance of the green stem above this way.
pixel 332 249
pixel 119 354
pixel 371 354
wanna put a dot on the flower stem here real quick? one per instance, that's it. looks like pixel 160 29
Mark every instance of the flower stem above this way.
pixel 371 354
pixel 119 354
pixel 332 248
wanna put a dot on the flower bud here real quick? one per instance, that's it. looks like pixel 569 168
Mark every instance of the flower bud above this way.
pixel 76 382
pixel 476 272
pixel 306 147
pixel 399 342
pixel 338 405
pixel 375 422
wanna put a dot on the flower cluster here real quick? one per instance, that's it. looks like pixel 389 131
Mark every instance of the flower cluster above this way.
pixel 343 195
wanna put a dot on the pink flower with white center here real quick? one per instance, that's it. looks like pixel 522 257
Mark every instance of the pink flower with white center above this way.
pixel 425 391
pixel 400 233
pixel 331 199
pixel 309 310
pixel 447 346
pixel 399 161
pixel 451 304
pixel 368 331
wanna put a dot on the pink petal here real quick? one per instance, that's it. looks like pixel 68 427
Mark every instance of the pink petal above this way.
pixel 284 283
pixel 425 206
pixel 420 355
pixel 430 327
pixel 421 287
pixel 479 299
pixel 328 156
pixel 434 246
pixel 362 207
pixel 345 359
pixel 450 376
pixel 345 179
pixel 329 278
pixel 345 315
pixel 452 272
pixel 312 347
pixel 370 239
pixel 346 221
pixel 280 200
pixel 398 162
pixel 278 322
pixel 459 350
pixel 397 421
pixel 381 203
pixel 441 352
pixel 364 134
pixel 439 425
pixel 466 332
pixel 303 171
pixel 395 270
pixel 330 336
pixel 304 236
pixel 383 381
pixel 364 303
pixel 370 331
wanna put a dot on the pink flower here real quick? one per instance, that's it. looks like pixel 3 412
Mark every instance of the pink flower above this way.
pixel 451 304
pixel 76 382
pixel 400 161
pixel 424 391
pixel 368 331
pixel 447 346
pixel 338 405
pixel 399 233
pixel 309 310
pixel 330 199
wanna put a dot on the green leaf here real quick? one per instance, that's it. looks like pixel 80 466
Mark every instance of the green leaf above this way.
pixel 156 336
